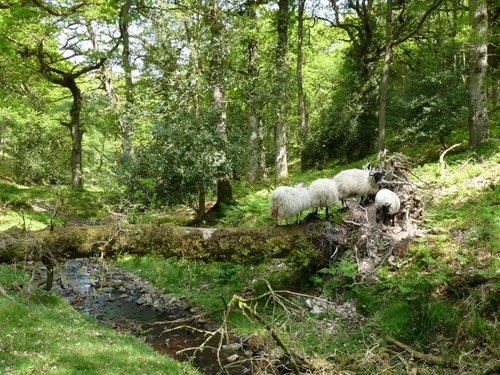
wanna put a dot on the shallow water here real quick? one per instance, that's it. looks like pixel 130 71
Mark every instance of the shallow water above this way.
pixel 111 296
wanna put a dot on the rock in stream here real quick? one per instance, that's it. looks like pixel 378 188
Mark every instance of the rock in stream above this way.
pixel 128 303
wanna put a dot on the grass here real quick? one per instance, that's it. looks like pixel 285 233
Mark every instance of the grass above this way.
pixel 41 334
pixel 32 207
pixel 424 302
pixel 417 303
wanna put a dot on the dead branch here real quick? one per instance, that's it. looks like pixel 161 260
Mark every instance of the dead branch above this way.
pixel 443 154
pixel 242 304
pixel 435 360
pixel 5 294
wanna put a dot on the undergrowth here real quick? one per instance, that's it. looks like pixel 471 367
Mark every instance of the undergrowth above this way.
pixel 442 297
pixel 41 334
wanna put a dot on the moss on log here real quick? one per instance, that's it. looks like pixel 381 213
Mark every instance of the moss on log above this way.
pixel 225 244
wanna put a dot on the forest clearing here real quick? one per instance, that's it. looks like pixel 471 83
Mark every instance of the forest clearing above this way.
pixel 254 187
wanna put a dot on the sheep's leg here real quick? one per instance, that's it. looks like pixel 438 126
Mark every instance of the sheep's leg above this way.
pixel 393 216
pixel 326 211
pixel 344 206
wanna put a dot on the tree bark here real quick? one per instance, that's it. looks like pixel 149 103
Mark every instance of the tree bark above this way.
pixel 281 82
pixel 201 205
pixel 384 83
pixel 76 136
pixel 224 188
pixel 205 244
pixel 302 109
pixel 125 122
pixel 478 60
pixel 255 169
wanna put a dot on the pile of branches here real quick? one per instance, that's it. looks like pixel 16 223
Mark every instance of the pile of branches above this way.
pixel 371 244
pixel 398 168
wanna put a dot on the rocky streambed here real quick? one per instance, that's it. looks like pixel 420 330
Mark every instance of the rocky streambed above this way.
pixel 128 303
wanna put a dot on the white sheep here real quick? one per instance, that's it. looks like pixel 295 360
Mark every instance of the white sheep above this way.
pixel 323 193
pixel 288 201
pixel 357 183
pixel 387 204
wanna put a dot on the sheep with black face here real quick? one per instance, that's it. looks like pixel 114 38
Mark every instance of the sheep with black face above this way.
pixel 387 204
pixel 357 183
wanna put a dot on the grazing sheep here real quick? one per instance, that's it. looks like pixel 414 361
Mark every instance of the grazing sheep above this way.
pixel 288 201
pixel 357 183
pixel 387 204
pixel 323 193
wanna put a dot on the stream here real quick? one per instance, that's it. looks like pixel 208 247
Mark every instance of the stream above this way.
pixel 128 303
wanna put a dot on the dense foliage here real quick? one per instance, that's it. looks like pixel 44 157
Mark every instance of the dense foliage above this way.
pixel 187 92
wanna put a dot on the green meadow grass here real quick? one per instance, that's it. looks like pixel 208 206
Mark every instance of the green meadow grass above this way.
pixel 41 334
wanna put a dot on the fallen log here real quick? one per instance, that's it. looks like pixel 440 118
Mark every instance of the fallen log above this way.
pixel 242 245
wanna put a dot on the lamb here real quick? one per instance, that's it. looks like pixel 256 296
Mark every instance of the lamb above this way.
pixel 387 204
pixel 357 182
pixel 288 201
pixel 323 193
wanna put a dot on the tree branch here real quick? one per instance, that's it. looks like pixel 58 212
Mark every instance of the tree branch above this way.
pixel 57 11
pixel 433 6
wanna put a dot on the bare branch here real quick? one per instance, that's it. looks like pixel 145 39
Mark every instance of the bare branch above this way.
pixel 55 11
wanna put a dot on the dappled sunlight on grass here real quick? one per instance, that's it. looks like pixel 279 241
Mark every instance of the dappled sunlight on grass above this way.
pixel 42 334
pixel 29 220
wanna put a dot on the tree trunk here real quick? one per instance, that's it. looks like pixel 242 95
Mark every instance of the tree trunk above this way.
pixel 224 192
pixel 76 137
pixel 204 244
pixel 478 60
pixel 224 189
pixel 384 83
pixel 201 205
pixel 125 120
pixel 281 81
pixel 255 170
pixel 302 110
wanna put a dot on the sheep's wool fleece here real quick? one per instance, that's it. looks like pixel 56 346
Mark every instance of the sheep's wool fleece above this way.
pixel 387 197
pixel 323 193
pixel 287 201
pixel 355 182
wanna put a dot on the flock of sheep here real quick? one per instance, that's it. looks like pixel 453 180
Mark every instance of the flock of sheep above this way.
pixel 290 201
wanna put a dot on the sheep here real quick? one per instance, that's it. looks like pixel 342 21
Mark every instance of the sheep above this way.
pixel 288 201
pixel 357 182
pixel 387 204
pixel 323 193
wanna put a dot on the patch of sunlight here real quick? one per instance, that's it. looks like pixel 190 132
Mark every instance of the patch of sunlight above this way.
pixel 9 219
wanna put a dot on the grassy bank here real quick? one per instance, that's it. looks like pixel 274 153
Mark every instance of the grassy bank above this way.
pixel 41 334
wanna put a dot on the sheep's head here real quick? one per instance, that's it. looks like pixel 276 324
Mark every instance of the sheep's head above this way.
pixel 377 176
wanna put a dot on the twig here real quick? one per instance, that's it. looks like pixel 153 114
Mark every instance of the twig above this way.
pixel 435 360
pixel 443 154
pixel 241 303
pixel 5 294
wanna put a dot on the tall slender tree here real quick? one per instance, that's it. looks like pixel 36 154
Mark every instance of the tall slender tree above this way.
pixel 384 83
pixel 58 54
pixel 301 98
pixel 256 166
pixel 216 82
pixel 281 128
pixel 125 119
pixel 478 63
